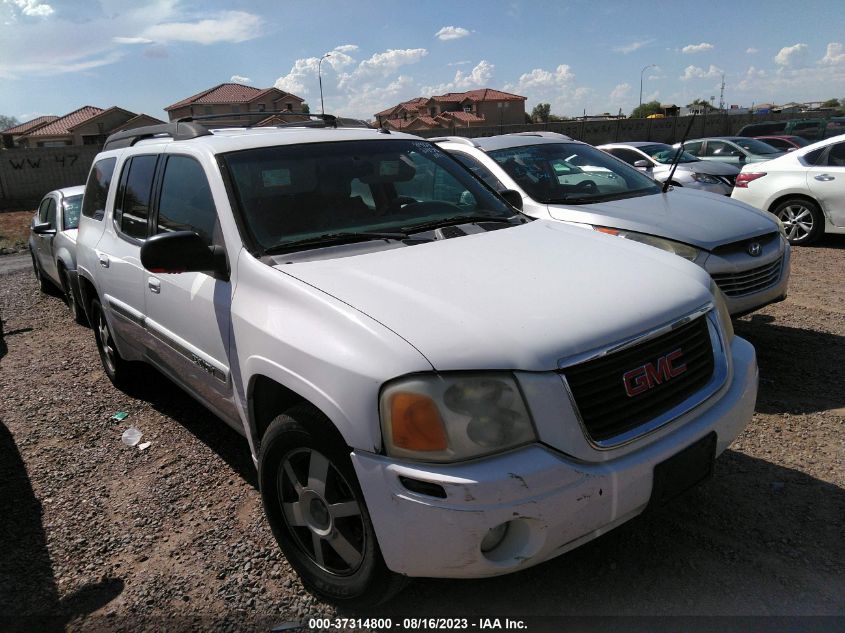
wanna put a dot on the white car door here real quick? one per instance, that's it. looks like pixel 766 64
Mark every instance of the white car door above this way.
pixel 188 314
pixel 120 276
pixel 826 181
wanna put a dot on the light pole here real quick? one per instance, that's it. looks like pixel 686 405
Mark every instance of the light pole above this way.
pixel 320 79
pixel 641 80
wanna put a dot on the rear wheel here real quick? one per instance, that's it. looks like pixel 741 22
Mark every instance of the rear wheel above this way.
pixel 802 219
pixel 73 305
pixel 316 509
pixel 119 371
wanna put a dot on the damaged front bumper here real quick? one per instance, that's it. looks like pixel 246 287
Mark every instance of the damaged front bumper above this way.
pixel 551 502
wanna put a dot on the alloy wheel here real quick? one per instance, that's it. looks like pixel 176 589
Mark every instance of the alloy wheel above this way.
pixel 798 221
pixel 321 511
pixel 106 342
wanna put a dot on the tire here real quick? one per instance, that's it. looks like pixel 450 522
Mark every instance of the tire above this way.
pixel 44 284
pixel 120 371
pixel 803 220
pixel 72 301
pixel 316 510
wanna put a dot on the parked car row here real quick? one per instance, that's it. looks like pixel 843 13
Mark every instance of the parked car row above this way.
pixel 437 351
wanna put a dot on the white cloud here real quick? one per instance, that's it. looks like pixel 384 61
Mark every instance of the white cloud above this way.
pixel 451 33
pixel 478 77
pixel 556 87
pixel 132 40
pixel 304 71
pixel 690 49
pixel 390 60
pixel 694 72
pixel 346 48
pixel 240 79
pixel 32 8
pixel 834 54
pixel 633 46
pixel 619 94
pixel 752 51
pixel 227 26
pixel 792 56
pixel 539 78
pixel 463 62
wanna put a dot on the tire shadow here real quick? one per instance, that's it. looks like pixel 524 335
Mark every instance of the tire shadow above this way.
pixel 29 598
pixel 756 539
pixel 801 371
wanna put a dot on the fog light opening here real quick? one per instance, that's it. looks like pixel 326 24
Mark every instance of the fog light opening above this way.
pixel 494 537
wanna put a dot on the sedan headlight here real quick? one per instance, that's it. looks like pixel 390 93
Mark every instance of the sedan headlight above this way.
pixel 679 248
pixel 706 179
pixel 447 418
pixel 722 312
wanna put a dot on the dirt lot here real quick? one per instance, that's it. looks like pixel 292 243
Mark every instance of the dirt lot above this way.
pixel 96 533
pixel 14 230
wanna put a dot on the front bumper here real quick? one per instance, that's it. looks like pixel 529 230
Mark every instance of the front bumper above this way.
pixel 553 502
pixel 743 304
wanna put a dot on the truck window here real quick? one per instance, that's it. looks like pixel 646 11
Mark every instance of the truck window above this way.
pixel 97 188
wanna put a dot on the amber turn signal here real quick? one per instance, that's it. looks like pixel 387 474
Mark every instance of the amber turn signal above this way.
pixel 416 424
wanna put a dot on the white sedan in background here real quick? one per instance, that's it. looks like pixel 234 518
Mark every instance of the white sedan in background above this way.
pixel 804 188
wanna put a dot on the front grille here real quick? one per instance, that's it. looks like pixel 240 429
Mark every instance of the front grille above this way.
pixel 749 281
pixel 599 389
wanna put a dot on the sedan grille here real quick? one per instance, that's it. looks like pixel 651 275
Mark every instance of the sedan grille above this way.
pixel 749 281
pixel 625 389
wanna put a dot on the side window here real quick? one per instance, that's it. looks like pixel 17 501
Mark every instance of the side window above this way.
pixel 479 170
pixel 51 213
pixel 836 155
pixel 627 155
pixel 97 188
pixel 433 183
pixel 693 148
pixel 132 207
pixel 718 148
pixel 186 203
pixel 70 216
pixel 42 210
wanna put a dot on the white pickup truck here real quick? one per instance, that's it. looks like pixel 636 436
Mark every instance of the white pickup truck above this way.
pixel 430 382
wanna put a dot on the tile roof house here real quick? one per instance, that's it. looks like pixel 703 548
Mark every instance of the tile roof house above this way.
pixel 473 108
pixel 234 98
pixel 89 125
pixel 11 134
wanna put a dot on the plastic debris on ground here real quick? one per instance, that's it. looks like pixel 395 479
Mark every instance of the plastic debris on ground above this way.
pixel 120 415
pixel 131 436
pixel 144 446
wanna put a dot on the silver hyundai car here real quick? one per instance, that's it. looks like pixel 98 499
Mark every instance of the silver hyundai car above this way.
pixel 655 160
pixel 553 177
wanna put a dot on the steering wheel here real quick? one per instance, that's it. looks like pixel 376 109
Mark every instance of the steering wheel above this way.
pixel 587 186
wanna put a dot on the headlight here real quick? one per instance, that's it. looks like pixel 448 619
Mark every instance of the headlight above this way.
pixel 722 312
pixel 706 178
pixel 446 418
pixel 684 250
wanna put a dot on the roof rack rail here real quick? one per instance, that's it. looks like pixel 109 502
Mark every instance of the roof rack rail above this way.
pixel 541 134
pixel 178 131
pixel 327 120
pixel 463 140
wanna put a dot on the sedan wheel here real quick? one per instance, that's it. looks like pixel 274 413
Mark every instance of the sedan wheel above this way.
pixel 802 220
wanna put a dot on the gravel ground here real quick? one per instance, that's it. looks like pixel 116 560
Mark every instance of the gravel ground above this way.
pixel 100 535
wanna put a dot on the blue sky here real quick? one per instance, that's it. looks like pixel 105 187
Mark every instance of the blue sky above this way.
pixel 57 55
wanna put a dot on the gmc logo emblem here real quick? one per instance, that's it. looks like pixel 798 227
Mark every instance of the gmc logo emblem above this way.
pixel 646 376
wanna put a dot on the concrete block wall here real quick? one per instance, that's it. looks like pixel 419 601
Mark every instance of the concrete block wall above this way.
pixel 27 174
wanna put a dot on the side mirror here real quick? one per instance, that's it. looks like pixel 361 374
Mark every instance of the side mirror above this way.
pixel 183 252
pixel 741 157
pixel 43 228
pixel 642 164
pixel 513 198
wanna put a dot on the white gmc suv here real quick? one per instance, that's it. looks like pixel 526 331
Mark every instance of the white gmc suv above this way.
pixel 431 383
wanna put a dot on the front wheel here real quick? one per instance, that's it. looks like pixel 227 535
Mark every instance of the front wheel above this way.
pixel 802 219
pixel 316 510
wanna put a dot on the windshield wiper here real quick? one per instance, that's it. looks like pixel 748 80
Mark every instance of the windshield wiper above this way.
pixel 344 237
pixel 453 220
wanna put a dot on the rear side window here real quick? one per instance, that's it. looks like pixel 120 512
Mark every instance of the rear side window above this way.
pixel 836 155
pixel 132 207
pixel 97 189
pixel 479 170
pixel 70 216
pixel 186 203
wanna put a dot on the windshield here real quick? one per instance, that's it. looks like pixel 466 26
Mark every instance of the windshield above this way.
pixel 755 147
pixel 313 192
pixel 72 206
pixel 665 154
pixel 572 173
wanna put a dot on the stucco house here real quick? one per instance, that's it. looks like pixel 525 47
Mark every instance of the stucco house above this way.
pixel 484 106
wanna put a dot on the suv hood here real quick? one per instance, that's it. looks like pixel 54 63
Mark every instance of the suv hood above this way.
pixel 705 220
pixel 517 298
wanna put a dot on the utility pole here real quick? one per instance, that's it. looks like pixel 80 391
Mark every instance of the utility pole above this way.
pixel 641 79
pixel 722 95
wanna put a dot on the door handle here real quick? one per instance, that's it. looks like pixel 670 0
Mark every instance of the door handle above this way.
pixel 154 285
pixel 104 261
pixel 824 177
